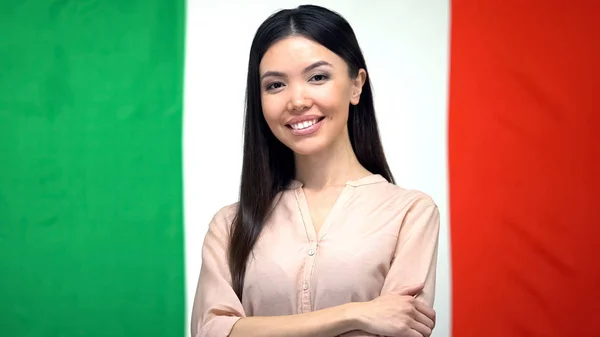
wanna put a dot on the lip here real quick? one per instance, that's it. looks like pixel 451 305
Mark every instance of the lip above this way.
pixel 303 119
pixel 309 130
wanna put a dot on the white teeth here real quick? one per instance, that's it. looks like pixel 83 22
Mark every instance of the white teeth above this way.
pixel 304 125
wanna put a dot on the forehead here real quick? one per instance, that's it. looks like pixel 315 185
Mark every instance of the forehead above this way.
pixel 296 52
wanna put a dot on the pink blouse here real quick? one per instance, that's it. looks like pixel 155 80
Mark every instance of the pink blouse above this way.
pixel 377 239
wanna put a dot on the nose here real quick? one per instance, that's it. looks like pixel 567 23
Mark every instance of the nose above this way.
pixel 298 101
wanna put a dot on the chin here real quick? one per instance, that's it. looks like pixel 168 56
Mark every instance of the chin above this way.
pixel 307 147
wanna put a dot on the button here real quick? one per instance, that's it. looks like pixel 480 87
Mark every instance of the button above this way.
pixel 311 252
pixel 305 286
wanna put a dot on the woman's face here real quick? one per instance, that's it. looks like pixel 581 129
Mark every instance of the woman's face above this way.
pixel 306 91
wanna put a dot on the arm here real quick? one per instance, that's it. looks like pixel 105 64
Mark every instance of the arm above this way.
pixel 415 258
pixel 217 312
pixel 322 323
pixel 216 307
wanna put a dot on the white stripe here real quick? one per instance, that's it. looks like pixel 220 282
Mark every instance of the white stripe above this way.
pixel 406 47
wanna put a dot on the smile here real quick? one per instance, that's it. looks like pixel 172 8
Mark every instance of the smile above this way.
pixel 306 127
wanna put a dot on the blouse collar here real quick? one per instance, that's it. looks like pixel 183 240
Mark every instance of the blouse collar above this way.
pixel 367 180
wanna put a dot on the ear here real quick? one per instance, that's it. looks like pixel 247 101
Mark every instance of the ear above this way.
pixel 357 85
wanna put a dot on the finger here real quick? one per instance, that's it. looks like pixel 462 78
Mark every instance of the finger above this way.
pixel 412 290
pixel 425 309
pixel 412 333
pixel 421 329
pixel 415 333
pixel 423 319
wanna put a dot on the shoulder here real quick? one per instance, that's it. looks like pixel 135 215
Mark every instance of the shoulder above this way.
pixel 405 199
pixel 418 210
pixel 223 219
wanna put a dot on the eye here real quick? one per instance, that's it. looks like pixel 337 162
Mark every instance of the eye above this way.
pixel 274 86
pixel 319 78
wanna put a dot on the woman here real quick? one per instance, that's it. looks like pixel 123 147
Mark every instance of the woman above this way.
pixel 322 242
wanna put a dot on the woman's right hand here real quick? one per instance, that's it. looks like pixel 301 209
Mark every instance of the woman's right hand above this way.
pixel 398 315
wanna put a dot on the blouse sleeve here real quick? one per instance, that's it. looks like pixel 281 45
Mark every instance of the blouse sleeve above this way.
pixel 216 307
pixel 415 258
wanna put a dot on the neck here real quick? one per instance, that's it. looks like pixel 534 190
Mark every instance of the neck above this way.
pixel 332 167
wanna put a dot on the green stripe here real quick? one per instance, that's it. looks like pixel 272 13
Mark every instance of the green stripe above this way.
pixel 91 219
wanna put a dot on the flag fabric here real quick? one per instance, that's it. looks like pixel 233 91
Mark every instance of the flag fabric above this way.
pixel 120 136
pixel 91 217
pixel 524 160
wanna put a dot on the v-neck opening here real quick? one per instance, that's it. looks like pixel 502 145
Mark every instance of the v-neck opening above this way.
pixel 307 219
pixel 312 234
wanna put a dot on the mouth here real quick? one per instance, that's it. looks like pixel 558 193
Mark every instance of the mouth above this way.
pixel 306 127
pixel 305 124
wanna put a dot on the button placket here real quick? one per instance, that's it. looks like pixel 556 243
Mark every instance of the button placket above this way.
pixel 307 277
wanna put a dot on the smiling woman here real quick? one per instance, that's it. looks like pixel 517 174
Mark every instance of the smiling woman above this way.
pixel 321 242
pixel 310 92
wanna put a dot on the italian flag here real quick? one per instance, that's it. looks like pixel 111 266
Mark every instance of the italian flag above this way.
pixel 121 136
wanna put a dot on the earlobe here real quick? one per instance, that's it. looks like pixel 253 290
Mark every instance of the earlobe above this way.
pixel 355 98
pixel 360 80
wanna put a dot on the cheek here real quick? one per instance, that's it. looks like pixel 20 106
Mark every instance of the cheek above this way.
pixel 272 111
pixel 334 100
pixel 269 109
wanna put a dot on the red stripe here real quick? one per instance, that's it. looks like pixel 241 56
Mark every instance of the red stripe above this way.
pixel 524 151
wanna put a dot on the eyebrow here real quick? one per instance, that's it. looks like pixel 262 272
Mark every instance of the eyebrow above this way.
pixel 307 69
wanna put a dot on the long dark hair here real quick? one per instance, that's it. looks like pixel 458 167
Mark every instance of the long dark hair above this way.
pixel 268 165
